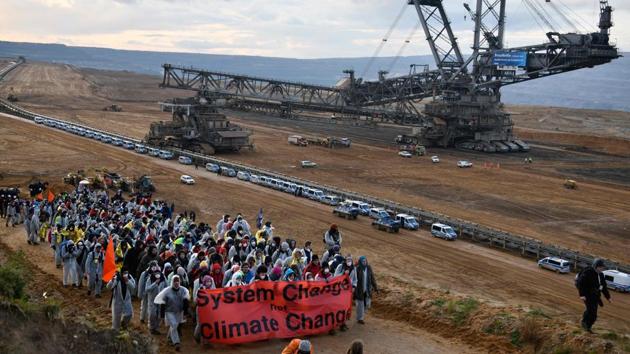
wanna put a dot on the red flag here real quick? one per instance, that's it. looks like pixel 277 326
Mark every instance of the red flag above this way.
pixel 51 196
pixel 109 266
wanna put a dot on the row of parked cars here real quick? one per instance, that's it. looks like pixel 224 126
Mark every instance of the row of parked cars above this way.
pixel 103 137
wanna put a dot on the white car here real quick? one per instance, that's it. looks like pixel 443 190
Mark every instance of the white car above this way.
pixel 186 179
pixel 464 164
pixel 435 159
pixel 307 164
pixel 406 154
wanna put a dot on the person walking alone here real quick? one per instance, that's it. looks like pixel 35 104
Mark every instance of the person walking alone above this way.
pixel 363 283
pixel 591 285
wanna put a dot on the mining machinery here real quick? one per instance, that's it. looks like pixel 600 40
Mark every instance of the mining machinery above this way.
pixel 197 126
pixel 464 96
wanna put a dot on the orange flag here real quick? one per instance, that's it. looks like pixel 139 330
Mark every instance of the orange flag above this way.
pixel 51 196
pixel 109 266
pixel 39 197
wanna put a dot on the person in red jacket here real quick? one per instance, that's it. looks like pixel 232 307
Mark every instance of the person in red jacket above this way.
pixel 217 275
pixel 313 267
pixel 298 346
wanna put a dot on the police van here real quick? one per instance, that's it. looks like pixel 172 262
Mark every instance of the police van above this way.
pixel 443 231
pixel 556 264
pixel 617 280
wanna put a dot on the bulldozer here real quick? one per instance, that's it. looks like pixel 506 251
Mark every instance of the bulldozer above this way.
pixel 199 127
pixel 143 186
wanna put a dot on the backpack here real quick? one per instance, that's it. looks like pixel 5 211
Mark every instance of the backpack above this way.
pixel 579 278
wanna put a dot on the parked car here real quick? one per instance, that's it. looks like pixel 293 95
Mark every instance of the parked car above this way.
pixel 213 167
pixel 346 210
pixel 378 213
pixel 106 139
pixel 617 280
pixel 166 155
pixel 243 175
pixel 406 154
pixel 407 222
pixel 141 149
pixel 364 208
pixel 254 179
pixel 185 160
pixel 556 264
pixel 443 231
pixel 39 120
pixel 226 171
pixel 154 152
pixel 186 179
pixel 331 200
pixel 386 223
pixel 435 159
pixel 308 164
pixel 128 145
pixel 464 164
pixel 117 142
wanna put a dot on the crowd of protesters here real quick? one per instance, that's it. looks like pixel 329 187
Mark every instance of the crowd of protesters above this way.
pixel 164 258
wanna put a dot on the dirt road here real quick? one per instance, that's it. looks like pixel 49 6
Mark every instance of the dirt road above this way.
pixel 29 150
pixel 499 191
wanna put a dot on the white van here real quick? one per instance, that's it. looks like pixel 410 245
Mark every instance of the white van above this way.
pixel 332 200
pixel 254 179
pixel 556 264
pixel 318 195
pixel 364 208
pixel 617 280
pixel 185 160
pixel 243 175
pixel 443 231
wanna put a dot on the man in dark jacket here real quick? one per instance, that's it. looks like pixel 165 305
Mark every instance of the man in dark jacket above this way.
pixel 363 283
pixel 591 284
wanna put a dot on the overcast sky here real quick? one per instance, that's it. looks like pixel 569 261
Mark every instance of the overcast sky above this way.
pixel 281 28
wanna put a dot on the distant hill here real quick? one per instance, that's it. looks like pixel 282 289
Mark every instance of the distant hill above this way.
pixel 604 87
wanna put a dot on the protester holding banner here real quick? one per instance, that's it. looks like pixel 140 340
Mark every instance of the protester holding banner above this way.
pixel 268 288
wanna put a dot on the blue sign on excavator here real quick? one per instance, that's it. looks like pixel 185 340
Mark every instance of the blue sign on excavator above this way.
pixel 510 58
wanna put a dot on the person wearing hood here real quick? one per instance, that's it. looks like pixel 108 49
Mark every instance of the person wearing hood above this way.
pixel 82 254
pixel 345 268
pixel 290 275
pixel 324 273
pixel 332 237
pixel 591 285
pixel 217 275
pixel 56 240
pixel 205 283
pixel 69 253
pixel 94 269
pixel 183 277
pixel 141 286
pixel 173 303
pixel 283 253
pixel 241 222
pixel 131 260
pixel 151 255
pixel 296 261
pixel 230 273
pixel 154 284
pixel 237 279
pixel 123 286
pixel 221 225
pixel 363 283
pixel 34 226
pixel 272 246
pixel 313 267
pixel 276 271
